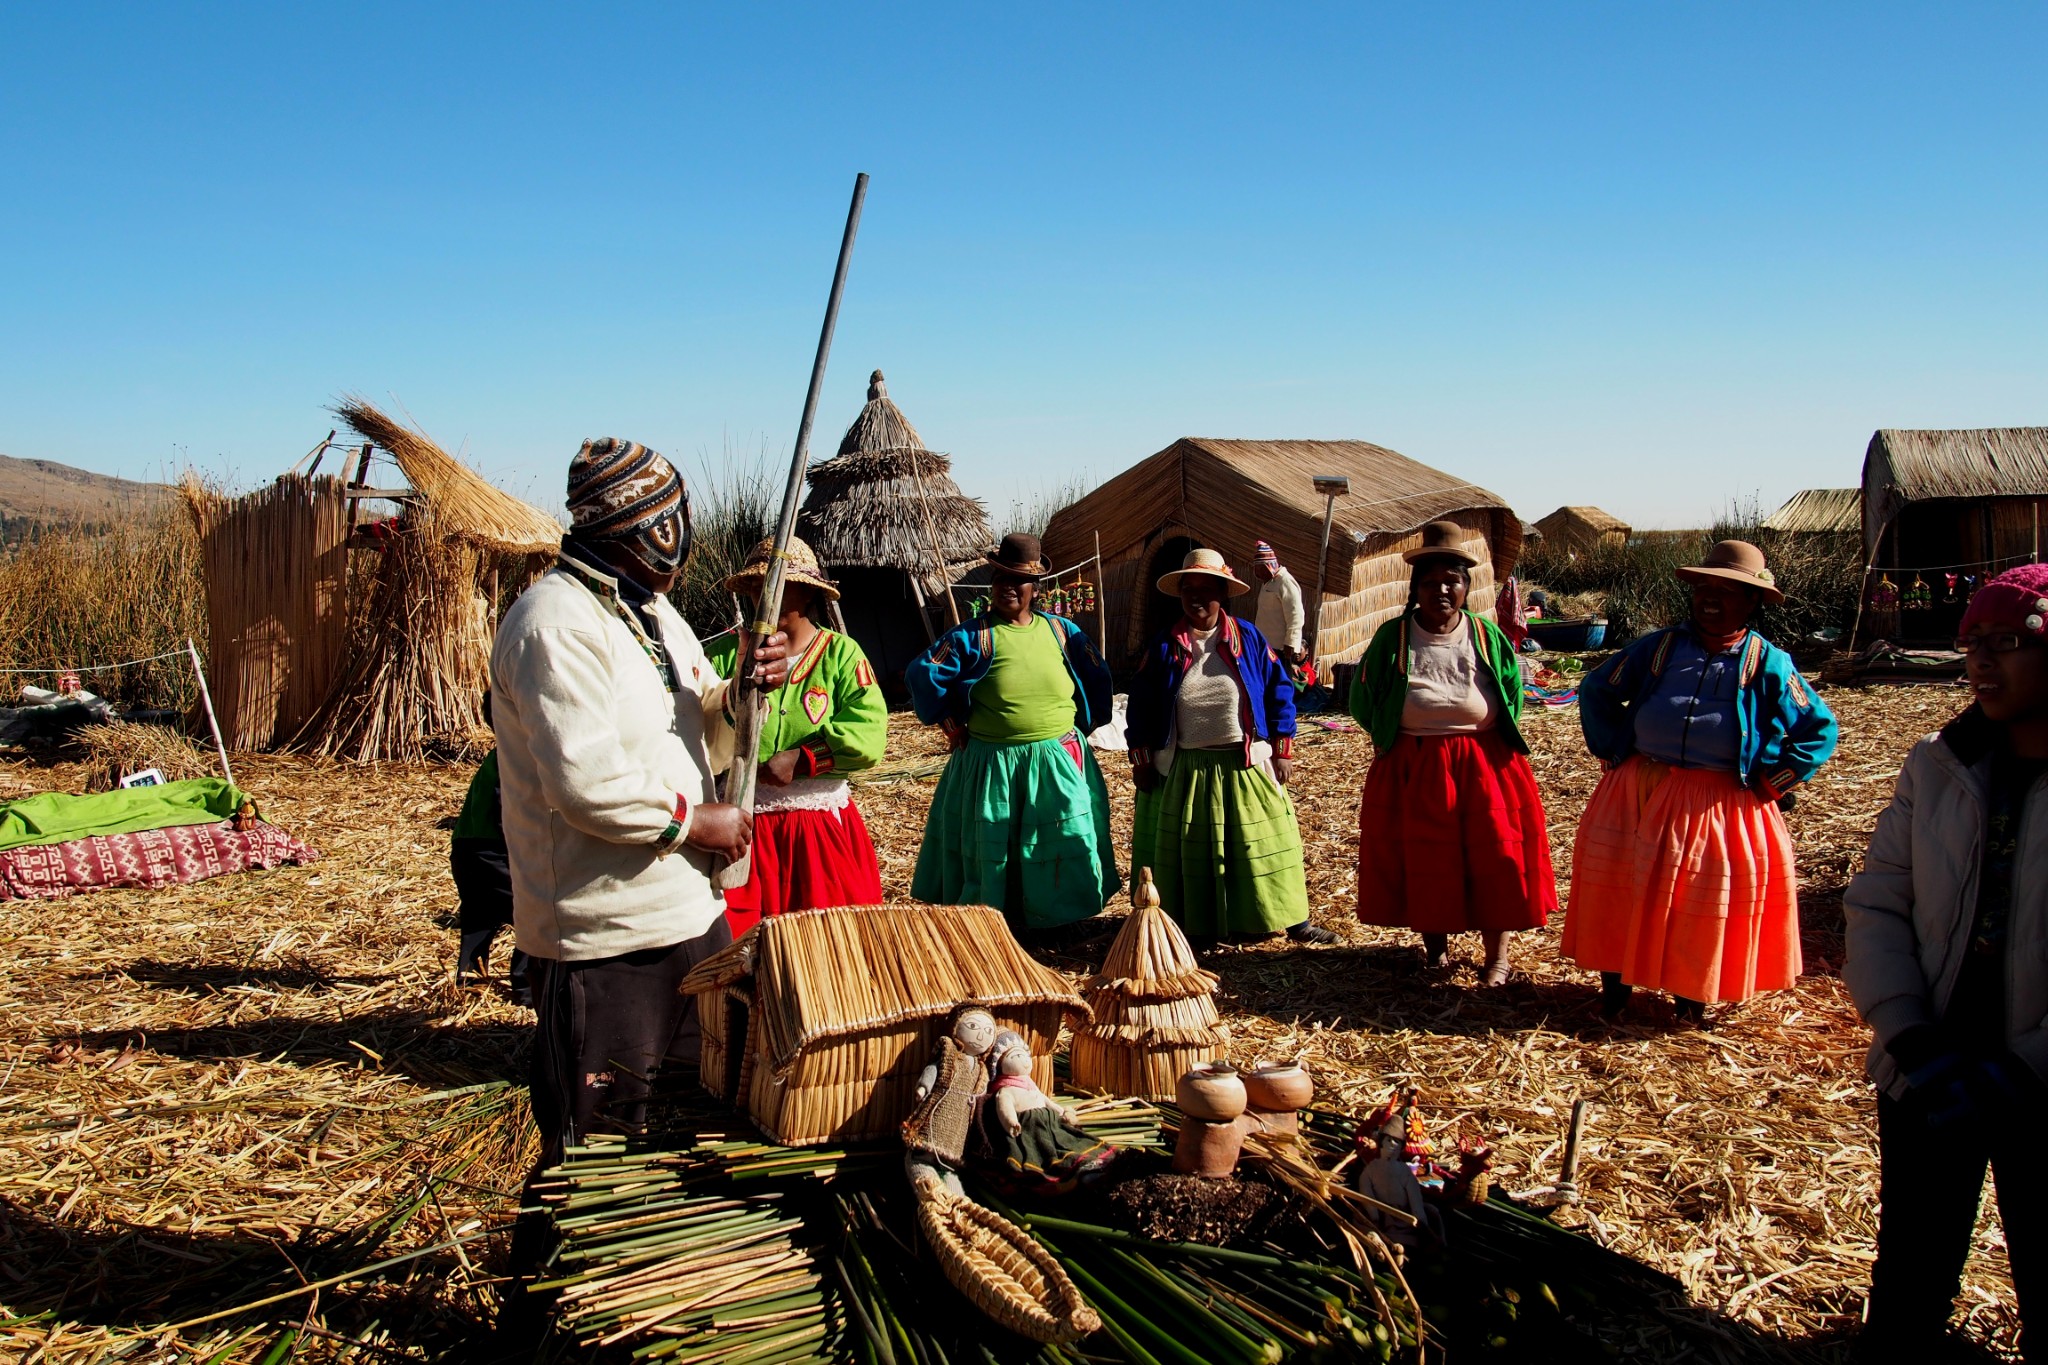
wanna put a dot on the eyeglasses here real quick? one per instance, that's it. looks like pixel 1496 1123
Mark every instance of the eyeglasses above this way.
pixel 2004 642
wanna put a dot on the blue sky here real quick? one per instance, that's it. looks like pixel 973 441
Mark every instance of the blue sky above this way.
pixel 1653 256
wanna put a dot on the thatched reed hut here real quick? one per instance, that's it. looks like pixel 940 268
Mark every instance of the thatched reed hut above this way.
pixel 1818 511
pixel 1226 495
pixel 1582 530
pixel 1969 502
pixel 818 1022
pixel 888 522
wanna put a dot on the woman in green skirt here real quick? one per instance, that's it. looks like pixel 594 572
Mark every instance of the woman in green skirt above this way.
pixel 1210 723
pixel 1021 817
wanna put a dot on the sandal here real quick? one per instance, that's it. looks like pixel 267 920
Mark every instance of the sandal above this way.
pixel 1497 973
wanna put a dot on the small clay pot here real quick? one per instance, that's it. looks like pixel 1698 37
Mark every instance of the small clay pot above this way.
pixel 1210 1090
pixel 1278 1087
pixel 1209 1149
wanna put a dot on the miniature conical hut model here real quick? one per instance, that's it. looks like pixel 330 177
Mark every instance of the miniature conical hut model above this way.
pixel 1154 1008
pixel 419 671
pixel 889 523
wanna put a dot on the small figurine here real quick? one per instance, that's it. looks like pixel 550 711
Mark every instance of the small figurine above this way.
pixel 935 1134
pixel 1387 1180
pixel 1029 1142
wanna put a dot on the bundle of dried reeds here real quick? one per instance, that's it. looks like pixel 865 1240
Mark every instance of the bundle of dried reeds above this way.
pixel 1153 1008
pixel 465 505
pixel 118 749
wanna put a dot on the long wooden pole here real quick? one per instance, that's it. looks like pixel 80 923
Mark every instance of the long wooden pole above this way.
pixel 1101 586
pixel 747 700
pixel 1315 606
pixel 206 703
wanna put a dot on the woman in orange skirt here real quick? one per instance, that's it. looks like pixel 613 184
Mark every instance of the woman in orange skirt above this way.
pixel 1682 876
pixel 1451 835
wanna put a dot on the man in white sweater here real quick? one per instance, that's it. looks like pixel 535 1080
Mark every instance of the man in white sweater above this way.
pixel 611 728
pixel 1278 613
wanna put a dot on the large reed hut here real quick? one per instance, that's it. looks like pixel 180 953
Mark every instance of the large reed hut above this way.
pixel 1818 512
pixel 888 522
pixel 1968 502
pixel 1226 495
pixel 1583 530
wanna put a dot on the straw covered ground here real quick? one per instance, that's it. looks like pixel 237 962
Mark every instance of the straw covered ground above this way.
pixel 228 1092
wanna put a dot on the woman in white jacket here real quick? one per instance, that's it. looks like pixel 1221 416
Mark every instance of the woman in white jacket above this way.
pixel 1948 962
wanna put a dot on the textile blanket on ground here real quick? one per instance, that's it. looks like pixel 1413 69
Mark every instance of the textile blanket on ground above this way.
pixel 145 858
pixel 59 817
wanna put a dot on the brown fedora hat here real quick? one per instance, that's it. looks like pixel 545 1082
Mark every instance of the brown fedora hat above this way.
pixel 1020 555
pixel 1736 561
pixel 1440 540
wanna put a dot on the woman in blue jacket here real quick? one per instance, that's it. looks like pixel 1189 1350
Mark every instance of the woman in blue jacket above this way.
pixel 1211 730
pixel 1682 876
pixel 1021 817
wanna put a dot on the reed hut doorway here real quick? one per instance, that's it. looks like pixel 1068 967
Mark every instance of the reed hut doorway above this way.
pixel 1162 611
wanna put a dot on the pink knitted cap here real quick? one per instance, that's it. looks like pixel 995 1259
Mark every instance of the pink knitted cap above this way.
pixel 2018 597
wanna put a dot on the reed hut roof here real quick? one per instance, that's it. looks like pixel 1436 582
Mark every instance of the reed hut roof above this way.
pixel 882 500
pixel 1229 494
pixel 1593 519
pixel 821 974
pixel 1902 467
pixel 464 505
pixel 1818 509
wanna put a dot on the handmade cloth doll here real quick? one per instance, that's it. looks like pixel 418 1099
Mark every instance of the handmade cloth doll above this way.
pixel 935 1134
pixel 1029 1143
pixel 1389 1180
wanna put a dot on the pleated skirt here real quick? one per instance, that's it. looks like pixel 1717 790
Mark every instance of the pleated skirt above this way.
pixel 1223 845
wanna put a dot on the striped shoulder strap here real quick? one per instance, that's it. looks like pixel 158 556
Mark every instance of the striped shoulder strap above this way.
pixel 1663 654
pixel 1752 658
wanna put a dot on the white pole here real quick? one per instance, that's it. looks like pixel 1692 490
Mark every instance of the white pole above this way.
pixel 206 700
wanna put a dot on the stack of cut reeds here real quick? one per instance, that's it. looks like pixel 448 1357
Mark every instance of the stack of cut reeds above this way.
pixel 1154 1008
pixel 120 748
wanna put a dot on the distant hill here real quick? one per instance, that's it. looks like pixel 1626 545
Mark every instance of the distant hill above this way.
pixel 45 491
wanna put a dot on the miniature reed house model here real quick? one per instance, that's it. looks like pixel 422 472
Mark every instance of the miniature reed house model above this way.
pixel 1154 1009
pixel 818 1022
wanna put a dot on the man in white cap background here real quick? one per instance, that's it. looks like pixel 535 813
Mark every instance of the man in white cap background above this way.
pixel 611 728
pixel 1278 612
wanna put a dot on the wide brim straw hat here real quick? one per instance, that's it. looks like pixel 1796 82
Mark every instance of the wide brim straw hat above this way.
pixel 802 567
pixel 1209 562
pixel 1735 561
pixel 1440 540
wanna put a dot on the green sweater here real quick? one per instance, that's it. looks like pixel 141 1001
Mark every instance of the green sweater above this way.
pixel 1381 688
pixel 831 708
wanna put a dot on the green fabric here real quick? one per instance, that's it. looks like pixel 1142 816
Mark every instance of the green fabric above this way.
pixel 59 817
pixel 1021 827
pixel 834 675
pixel 1027 695
pixel 1223 845
pixel 1380 689
pixel 479 818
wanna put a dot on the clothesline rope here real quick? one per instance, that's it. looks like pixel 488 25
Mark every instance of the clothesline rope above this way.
pixel 100 668
pixel 1940 568
pixel 983 587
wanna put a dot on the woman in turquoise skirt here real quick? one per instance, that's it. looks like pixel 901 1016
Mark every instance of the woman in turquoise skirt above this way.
pixel 1211 730
pixel 1021 817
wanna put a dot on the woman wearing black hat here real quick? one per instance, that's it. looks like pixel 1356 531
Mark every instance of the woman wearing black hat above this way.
pixel 1021 817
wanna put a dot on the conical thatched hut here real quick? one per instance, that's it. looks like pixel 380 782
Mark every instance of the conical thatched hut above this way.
pixel 890 524
pixel 1152 1007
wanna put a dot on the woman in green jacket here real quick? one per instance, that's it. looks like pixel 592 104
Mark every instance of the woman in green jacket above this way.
pixel 1451 833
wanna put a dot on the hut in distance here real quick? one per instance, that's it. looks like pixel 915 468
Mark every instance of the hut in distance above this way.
pixel 888 522
pixel 1583 530
pixel 1818 511
pixel 1228 495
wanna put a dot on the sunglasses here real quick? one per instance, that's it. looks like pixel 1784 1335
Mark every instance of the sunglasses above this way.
pixel 2003 642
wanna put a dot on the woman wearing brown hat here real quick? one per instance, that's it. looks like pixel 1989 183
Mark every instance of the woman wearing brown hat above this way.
pixel 1021 817
pixel 1451 832
pixel 811 847
pixel 1682 877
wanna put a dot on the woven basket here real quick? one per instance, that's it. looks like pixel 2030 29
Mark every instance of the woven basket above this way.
pixel 1002 1270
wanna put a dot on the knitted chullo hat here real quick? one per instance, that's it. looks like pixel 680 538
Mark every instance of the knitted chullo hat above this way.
pixel 2017 597
pixel 624 493
pixel 1264 554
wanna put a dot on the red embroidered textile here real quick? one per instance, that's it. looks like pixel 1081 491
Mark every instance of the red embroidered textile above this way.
pixel 147 858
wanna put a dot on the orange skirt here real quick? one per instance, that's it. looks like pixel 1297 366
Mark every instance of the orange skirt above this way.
pixel 1682 881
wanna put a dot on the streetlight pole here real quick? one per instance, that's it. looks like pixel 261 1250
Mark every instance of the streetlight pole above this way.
pixel 1332 487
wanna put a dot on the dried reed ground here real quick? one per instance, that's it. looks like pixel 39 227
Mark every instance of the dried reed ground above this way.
pixel 272 1015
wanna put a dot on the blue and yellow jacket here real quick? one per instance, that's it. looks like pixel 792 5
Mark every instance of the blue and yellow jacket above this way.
pixel 1786 730
pixel 942 679
pixel 1266 694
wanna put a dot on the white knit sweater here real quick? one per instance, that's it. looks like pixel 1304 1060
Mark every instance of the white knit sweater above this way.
pixel 592 753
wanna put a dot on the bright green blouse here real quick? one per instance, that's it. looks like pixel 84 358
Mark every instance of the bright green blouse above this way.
pixel 1028 694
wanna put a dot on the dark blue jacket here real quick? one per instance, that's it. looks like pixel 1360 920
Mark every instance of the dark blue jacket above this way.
pixel 1265 701
pixel 942 679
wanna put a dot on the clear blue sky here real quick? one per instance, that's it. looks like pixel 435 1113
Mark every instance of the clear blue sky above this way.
pixel 1651 256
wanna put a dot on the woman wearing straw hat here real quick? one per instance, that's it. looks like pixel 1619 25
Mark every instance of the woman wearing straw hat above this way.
pixel 1210 725
pixel 1451 832
pixel 1682 876
pixel 811 847
pixel 1021 817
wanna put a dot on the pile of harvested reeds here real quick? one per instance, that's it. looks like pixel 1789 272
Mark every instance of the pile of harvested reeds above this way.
pixel 464 504
pixel 120 749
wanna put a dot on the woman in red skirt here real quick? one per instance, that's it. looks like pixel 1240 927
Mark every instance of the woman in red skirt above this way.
pixel 1451 835
pixel 811 848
